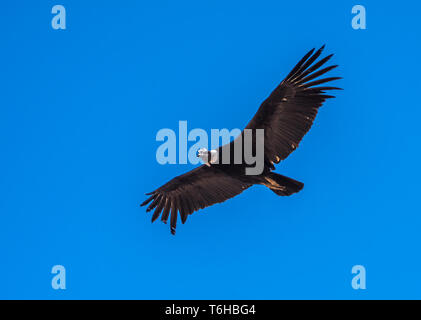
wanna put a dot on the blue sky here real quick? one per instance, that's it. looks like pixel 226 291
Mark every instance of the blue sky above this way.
pixel 80 109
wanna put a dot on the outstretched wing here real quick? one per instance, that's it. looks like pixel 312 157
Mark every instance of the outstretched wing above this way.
pixel 194 190
pixel 288 113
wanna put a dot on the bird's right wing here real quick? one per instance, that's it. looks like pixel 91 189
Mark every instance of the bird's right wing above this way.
pixel 194 190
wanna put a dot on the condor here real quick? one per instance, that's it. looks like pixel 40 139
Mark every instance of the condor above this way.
pixel 285 117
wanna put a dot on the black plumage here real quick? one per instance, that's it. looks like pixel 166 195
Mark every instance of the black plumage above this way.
pixel 286 116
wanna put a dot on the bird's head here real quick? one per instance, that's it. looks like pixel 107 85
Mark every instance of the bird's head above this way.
pixel 203 154
pixel 206 155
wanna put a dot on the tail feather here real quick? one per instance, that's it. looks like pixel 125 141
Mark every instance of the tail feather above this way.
pixel 282 185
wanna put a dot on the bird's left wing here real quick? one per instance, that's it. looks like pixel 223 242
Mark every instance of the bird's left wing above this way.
pixel 194 190
pixel 288 113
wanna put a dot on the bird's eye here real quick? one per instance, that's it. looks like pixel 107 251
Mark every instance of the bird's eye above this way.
pixel 197 153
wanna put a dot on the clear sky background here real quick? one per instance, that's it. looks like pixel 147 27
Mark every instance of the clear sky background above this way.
pixel 80 108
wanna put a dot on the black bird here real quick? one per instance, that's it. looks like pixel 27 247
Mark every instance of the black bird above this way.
pixel 286 116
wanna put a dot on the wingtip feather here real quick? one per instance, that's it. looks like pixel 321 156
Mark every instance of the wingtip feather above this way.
pixel 144 203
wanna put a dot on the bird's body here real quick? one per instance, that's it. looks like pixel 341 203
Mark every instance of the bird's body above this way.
pixel 284 118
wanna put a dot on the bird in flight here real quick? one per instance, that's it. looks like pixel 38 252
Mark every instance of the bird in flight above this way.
pixel 285 117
